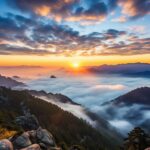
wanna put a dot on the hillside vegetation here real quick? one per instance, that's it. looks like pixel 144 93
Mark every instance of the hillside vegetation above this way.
pixel 65 127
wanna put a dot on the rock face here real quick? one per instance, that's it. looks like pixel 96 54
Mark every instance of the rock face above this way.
pixel 137 140
pixel 6 145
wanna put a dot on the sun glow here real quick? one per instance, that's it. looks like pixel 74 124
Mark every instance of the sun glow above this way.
pixel 75 65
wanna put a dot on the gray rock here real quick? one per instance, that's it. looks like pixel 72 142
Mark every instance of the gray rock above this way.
pixel 45 137
pixel 33 136
pixel 6 145
pixel 22 141
pixel 32 147
pixel 28 122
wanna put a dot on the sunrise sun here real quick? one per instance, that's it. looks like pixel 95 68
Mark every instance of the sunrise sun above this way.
pixel 75 65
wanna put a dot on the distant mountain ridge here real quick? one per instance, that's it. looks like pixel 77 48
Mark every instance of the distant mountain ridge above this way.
pixel 132 69
pixel 9 82
pixel 56 97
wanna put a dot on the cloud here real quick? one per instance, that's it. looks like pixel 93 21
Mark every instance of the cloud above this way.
pixel 137 29
pixel 81 10
pixel 6 49
pixel 23 35
pixel 112 34
pixel 121 19
pixel 109 87
pixel 92 91
pixel 135 8
pixel 72 10
pixel 122 125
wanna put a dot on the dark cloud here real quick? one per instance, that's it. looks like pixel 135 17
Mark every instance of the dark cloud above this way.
pixel 7 24
pixel 77 10
pixel 112 33
pixel 6 49
pixel 71 10
pixel 96 9
pixel 113 4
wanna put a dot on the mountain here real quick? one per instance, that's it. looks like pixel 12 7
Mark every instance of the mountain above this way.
pixel 63 125
pixel 77 110
pixel 9 82
pixel 54 97
pixel 139 96
pixel 133 69
pixel 133 109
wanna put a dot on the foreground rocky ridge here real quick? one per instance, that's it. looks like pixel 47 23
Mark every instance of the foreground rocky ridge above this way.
pixel 67 129
pixel 34 137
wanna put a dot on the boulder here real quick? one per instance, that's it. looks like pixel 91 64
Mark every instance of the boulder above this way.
pixel 22 141
pixel 28 122
pixel 45 137
pixel 6 145
pixel 32 135
pixel 32 147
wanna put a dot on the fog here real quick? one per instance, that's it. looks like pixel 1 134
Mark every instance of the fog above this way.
pixel 91 91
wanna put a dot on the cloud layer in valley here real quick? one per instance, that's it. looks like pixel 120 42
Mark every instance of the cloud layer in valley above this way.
pixel 93 91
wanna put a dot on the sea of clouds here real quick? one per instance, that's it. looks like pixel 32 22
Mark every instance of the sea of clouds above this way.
pixel 92 91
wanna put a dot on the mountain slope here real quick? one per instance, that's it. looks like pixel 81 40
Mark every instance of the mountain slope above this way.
pixel 137 96
pixel 63 125
pixel 79 111
pixel 133 109
pixel 9 82
pixel 55 97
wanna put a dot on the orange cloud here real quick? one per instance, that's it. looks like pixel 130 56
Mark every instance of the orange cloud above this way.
pixel 128 7
pixel 134 8
pixel 43 10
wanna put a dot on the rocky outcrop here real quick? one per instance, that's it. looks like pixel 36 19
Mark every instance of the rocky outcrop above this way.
pixel 28 122
pixel 45 137
pixel 34 137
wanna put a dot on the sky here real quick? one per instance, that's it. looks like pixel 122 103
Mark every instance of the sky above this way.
pixel 65 32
